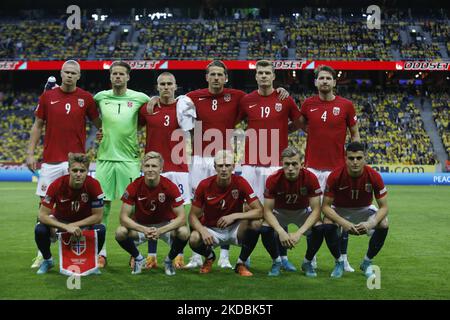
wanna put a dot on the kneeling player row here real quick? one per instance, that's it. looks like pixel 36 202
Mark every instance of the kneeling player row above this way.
pixel 153 208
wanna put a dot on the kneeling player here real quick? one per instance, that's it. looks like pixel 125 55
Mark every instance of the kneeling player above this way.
pixel 73 202
pixel 219 199
pixel 292 195
pixel 348 203
pixel 158 213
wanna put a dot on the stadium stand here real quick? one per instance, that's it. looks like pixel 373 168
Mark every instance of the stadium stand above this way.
pixel 329 35
pixel 441 115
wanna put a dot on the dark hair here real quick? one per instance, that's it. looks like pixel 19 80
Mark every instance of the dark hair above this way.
pixel 324 68
pixel 217 63
pixel 265 63
pixel 355 147
pixel 120 64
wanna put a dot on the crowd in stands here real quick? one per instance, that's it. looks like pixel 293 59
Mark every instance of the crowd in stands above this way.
pixel 388 123
pixel 44 40
pixel 194 40
pixel 281 37
pixel 441 114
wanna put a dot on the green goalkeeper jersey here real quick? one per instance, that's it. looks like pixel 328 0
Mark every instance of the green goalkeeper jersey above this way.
pixel 119 124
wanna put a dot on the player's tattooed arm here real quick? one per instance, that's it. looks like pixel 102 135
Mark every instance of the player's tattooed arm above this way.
pixel 354 133
pixel 152 103
pixel 282 93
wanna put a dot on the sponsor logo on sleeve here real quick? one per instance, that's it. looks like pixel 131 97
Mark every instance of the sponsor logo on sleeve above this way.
pixel 179 199
pixel 318 191
pixel 384 190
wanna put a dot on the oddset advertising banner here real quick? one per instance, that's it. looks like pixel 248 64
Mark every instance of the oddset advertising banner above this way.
pixel 78 256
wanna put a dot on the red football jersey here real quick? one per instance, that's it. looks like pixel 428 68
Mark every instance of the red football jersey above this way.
pixel 327 129
pixel 65 122
pixel 217 202
pixel 292 195
pixel 349 192
pixel 160 125
pixel 70 204
pixel 264 115
pixel 153 205
pixel 216 112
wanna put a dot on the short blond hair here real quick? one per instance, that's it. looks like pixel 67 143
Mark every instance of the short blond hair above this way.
pixel 224 154
pixel 73 63
pixel 78 157
pixel 153 155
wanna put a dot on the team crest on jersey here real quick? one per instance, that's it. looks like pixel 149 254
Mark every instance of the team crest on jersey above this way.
pixel 161 197
pixel 368 187
pixel 81 103
pixel 336 111
pixel 130 104
pixel 44 187
pixel 78 246
pixel 303 191
pixel 278 107
pixel 235 194
pixel 84 197
pixel 227 97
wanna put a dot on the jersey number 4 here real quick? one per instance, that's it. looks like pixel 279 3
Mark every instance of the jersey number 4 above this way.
pixel 324 116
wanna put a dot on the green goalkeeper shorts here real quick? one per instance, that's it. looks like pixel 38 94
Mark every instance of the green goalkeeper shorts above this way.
pixel 115 176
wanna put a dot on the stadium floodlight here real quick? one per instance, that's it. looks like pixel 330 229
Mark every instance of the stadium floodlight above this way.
pixel 95 17
pixel 413 30
pixel 364 15
pixel 125 30
pixel 136 18
pixel 269 30
pixel 103 17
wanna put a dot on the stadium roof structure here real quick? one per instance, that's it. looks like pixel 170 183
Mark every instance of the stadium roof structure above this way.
pixel 18 65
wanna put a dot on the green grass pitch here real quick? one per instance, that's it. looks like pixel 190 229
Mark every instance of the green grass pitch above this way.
pixel 414 261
